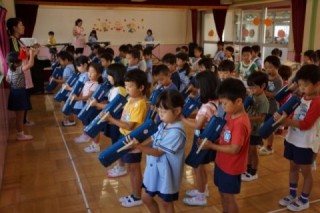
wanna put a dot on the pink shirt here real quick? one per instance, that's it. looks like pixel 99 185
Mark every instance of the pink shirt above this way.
pixel 208 109
pixel 79 38
pixel 89 86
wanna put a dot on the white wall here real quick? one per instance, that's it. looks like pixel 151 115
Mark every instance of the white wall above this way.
pixel 9 5
pixel 169 26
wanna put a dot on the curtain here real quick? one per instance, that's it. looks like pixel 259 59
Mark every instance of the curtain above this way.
pixel 298 9
pixel 219 17
pixel 194 25
pixel 28 14
pixel 4 38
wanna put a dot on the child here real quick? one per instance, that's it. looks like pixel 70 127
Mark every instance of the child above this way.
pixel 133 58
pixel 308 57
pixel 207 83
pixel 106 60
pixel 198 55
pixel 256 55
pixel 226 69
pixel 164 166
pixel 271 65
pixel 52 48
pixel 142 63
pixel 147 54
pixel 94 75
pixel 285 73
pixel 219 55
pixel 183 70
pixel 302 140
pixel 97 50
pixel 121 58
pixel 93 36
pixel 257 83
pixel 149 38
pixel 233 145
pixel 205 64
pixel 277 52
pixel 246 66
pixel 133 115
pixel 162 76
pixel 184 49
pixel 170 61
pixel 18 100
pixel 228 53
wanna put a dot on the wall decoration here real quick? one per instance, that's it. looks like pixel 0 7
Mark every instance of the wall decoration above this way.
pixel 268 22
pixel 118 25
pixel 211 33
pixel 251 33
pixel 245 32
pixel 256 21
pixel 281 33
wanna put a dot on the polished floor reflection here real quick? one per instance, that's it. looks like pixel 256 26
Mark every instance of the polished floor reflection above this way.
pixel 53 174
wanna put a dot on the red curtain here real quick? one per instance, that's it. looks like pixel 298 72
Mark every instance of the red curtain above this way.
pixel 219 17
pixel 4 38
pixel 28 14
pixel 298 9
pixel 194 25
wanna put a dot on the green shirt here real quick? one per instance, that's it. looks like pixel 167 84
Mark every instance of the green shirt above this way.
pixel 246 69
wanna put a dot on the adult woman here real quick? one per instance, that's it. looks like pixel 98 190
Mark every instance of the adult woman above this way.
pixel 79 37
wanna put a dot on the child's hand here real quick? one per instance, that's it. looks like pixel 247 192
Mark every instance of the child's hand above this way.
pixel 67 87
pixel 280 118
pixel 132 143
pixel 75 98
pixel 204 144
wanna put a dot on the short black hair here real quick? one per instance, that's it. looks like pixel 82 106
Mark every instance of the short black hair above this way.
pixel 183 56
pixel 107 56
pixel 274 60
pixel 109 50
pixel 232 89
pixel 50 33
pixel 13 59
pixel 11 23
pixel 98 67
pixel 308 53
pixel 178 49
pixel 207 82
pixel 199 48
pixel 206 62
pixel 78 21
pixel 309 72
pixel 258 79
pixel 82 59
pixel 161 69
pixel 138 77
pixel 70 49
pixel 147 51
pixel 149 31
pixel 135 53
pixel 123 48
pixel 117 72
pixel 226 65
pixel 276 52
pixel 64 55
pixel 169 58
pixel 246 49
pixel 230 49
pixel 285 72
pixel 256 49
pixel 185 48
pixel 138 47
pixel 170 99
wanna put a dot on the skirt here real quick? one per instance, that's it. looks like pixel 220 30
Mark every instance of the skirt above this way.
pixel 19 100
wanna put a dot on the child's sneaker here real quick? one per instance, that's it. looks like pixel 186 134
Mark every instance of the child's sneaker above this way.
pixel 297 206
pixel 248 177
pixel 195 192
pixel 286 200
pixel 124 198
pixel 131 202
pixel 195 201
pixel 22 137
pixel 117 171
pixel 68 123
pixel 92 148
pixel 265 151
pixel 29 123
pixel 83 138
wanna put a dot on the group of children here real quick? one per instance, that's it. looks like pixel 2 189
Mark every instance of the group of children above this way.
pixel 221 93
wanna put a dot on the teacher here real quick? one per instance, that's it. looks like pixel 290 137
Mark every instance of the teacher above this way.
pixel 79 37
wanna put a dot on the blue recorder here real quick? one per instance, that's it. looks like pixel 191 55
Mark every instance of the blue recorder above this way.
pixel 62 93
pixel 271 125
pixel 116 150
pixel 57 73
pixel 76 90
pixel 153 99
pixel 190 105
pixel 114 108
pixel 248 103
pixel 284 92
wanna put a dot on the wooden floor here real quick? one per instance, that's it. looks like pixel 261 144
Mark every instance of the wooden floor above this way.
pixel 53 174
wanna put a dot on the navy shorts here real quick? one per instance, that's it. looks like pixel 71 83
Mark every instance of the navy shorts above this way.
pixel 76 111
pixel 298 155
pixel 131 157
pixel 255 140
pixel 229 184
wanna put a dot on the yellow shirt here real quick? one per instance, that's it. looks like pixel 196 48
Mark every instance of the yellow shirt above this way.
pixel 134 111
pixel 52 41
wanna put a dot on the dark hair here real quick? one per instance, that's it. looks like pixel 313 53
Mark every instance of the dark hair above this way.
pixel 64 55
pixel 70 49
pixel 183 56
pixel 185 48
pixel 206 62
pixel 95 46
pixel 78 21
pixel 11 23
pixel 200 49
pixel 99 69
pixel 258 79
pixel 106 56
pixel 230 49
pixel 317 54
pixel 161 69
pixel 123 48
pixel 309 72
pixel 82 59
pixel 149 31
pixel 138 47
pixel 138 77
pixel 129 46
pixel 135 53
pixel 226 65
pixel 232 89
pixel 285 72
pixel 117 72
pixel 169 58
pixel 246 49
pixel 12 60
pixel 274 60
pixel 276 52
pixel 147 51
pixel 94 33
pixel 308 54
pixel 170 99
pixel 109 50
pixel 51 33
pixel 178 49
pixel 208 83
pixel 256 49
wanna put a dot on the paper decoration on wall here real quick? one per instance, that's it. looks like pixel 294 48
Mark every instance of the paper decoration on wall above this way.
pixel 281 33
pixel 245 32
pixel 256 21
pixel 211 33
pixel 268 22
pixel 130 25
pixel 251 33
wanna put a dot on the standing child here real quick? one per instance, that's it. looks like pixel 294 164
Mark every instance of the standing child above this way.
pixel 170 61
pixel 233 145
pixel 18 99
pixel 147 54
pixel 257 83
pixel 228 53
pixel 207 83
pixel 133 115
pixel 256 55
pixel 226 69
pixel 164 167
pixel 52 48
pixel 133 58
pixel 149 38
pixel 183 70
pixel 106 60
pixel 219 55
pixel 246 66
pixel 271 65
pixel 303 140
